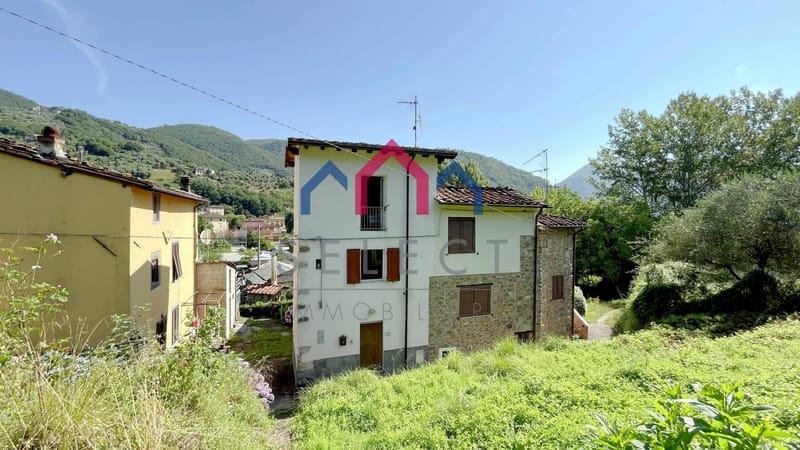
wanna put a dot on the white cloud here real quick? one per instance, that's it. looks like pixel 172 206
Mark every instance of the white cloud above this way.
pixel 741 69
pixel 89 54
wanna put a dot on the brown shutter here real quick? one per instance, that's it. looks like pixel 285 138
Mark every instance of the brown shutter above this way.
pixel 468 234
pixel 453 232
pixel 483 297
pixel 392 264
pixel 467 297
pixel 353 266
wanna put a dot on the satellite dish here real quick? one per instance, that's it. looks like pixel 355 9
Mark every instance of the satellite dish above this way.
pixel 207 236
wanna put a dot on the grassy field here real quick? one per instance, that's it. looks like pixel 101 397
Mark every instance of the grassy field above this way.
pixel 267 338
pixel 164 177
pixel 596 308
pixel 544 396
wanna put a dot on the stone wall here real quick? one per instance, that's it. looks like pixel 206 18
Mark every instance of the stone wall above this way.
pixel 554 315
pixel 511 307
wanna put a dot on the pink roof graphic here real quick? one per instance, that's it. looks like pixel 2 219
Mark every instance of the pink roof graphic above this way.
pixel 392 150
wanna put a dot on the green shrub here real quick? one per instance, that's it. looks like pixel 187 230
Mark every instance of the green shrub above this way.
pixel 114 395
pixel 656 301
pixel 757 291
pixel 715 417
pixel 580 301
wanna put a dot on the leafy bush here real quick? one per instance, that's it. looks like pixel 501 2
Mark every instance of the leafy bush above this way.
pixel 580 301
pixel 114 395
pixel 720 417
pixel 757 291
pixel 656 301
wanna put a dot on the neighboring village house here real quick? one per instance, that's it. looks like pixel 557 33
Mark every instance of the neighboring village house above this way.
pixel 216 219
pixel 128 245
pixel 472 278
pixel 272 227
pixel 218 285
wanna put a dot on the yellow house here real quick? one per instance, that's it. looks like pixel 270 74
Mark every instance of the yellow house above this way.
pixel 128 246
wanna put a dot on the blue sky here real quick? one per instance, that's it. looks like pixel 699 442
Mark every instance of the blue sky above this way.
pixel 504 79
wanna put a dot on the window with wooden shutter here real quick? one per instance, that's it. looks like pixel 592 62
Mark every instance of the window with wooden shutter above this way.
pixel 558 287
pixel 371 264
pixel 392 264
pixel 353 266
pixel 177 270
pixel 475 300
pixel 461 235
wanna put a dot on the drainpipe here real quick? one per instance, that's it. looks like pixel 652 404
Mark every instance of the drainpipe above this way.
pixel 535 267
pixel 405 291
pixel 574 272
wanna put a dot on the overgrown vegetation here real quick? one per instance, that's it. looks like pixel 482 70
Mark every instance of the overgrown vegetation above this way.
pixel 124 393
pixel 544 396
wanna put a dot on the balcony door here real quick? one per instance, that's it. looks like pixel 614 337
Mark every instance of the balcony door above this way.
pixel 374 217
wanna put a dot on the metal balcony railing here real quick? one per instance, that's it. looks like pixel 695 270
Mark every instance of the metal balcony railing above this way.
pixel 373 219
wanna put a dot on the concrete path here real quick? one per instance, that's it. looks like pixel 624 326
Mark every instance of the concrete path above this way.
pixel 600 331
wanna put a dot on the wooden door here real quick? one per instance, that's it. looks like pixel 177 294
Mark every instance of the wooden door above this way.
pixel 372 344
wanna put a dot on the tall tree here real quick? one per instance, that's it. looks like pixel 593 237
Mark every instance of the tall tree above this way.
pixel 750 223
pixel 608 248
pixel 672 160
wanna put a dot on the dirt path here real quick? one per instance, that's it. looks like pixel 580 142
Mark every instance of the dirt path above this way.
pixel 600 331
pixel 280 437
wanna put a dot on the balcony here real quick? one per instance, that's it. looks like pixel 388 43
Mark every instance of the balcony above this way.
pixel 373 220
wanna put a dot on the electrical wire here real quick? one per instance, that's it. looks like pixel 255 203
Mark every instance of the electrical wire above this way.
pixel 211 95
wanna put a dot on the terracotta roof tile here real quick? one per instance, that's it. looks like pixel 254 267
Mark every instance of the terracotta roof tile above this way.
pixel 70 165
pixel 551 221
pixel 492 196
pixel 294 144
pixel 264 289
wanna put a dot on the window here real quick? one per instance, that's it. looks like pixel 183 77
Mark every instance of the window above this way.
pixel 475 300
pixel 461 235
pixel 371 264
pixel 176 323
pixel 368 265
pixel 156 208
pixel 155 275
pixel 177 270
pixel 558 287
pixel 373 217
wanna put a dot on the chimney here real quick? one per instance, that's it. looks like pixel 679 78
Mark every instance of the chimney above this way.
pixel 185 183
pixel 50 143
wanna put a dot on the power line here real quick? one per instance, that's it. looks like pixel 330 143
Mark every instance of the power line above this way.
pixel 214 96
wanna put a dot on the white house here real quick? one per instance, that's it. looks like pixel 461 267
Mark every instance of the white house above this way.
pixel 391 271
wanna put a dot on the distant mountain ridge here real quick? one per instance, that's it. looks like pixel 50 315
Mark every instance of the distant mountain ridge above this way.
pixel 257 164
pixel 579 183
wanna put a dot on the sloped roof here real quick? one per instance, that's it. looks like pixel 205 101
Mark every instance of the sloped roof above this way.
pixel 552 221
pixel 70 165
pixel 293 147
pixel 264 289
pixel 492 196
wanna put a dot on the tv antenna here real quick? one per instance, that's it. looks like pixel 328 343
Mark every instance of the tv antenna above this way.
pixel 545 170
pixel 417 116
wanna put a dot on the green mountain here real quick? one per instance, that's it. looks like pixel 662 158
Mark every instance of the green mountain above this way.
pixel 166 152
pixel 12 100
pixel 501 174
pixel 579 183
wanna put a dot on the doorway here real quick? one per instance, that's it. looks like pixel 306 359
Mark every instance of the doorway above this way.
pixel 372 344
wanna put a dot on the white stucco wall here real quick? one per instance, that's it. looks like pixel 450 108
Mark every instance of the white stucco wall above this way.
pixel 332 306
pixel 495 224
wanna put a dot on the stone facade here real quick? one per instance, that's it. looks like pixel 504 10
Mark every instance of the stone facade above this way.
pixel 512 304
pixel 511 307
pixel 555 255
